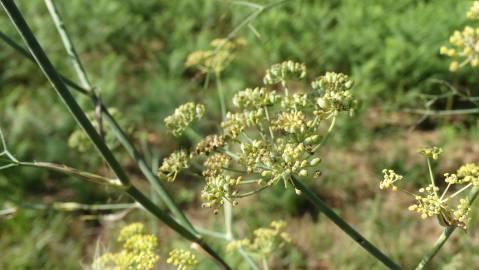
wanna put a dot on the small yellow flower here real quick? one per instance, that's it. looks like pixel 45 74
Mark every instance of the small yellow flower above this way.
pixel 389 179
pixel 473 12
pixel 443 50
pixel 430 152
pixel 454 66
pixel 216 59
pixel 182 259
pixel 265 241
pixel 138 251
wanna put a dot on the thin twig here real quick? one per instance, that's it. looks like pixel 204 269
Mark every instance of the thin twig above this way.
pixel 443 112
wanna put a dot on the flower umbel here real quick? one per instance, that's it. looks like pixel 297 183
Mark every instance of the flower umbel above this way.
pixel 138 251
pixel 183 116
pixel 218 58
pixel 473 12
pixel 173 164
pixel 430 152
pixel 265 241
pixel 182 259
pixel 389 179
pixel 464 45
pixel 271 135
pixel 430 202
pixel 281 73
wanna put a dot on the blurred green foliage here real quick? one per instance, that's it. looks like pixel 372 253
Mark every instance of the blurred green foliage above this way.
pixel 134 52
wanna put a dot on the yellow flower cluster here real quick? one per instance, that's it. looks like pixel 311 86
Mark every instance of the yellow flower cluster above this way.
pixel 473 12
pixel 389 178
pixel 336 95
pixel 257 98
pixel 430 152
pixel 219 187
pixel 182 259
pixel 282 72
pixel 138 251
pixel 183 116
pixel 265 241
pixel 431 202
pixel 216 59
pixel 273 134
pixel 173 164
pixel 427 203
pixel 464 47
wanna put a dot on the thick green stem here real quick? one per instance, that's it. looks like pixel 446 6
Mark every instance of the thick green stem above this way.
pixel 444 236
pixel 344 226
pixel 435 249
pixel 46 66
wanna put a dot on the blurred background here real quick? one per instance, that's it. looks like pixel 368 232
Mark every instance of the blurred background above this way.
pixel 135 53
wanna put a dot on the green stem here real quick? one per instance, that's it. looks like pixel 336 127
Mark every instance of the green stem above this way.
pixel 221 94
pixel 98 179
pixel 326 136
pixel 49 71
pixel 265 264
pixel 444 113
pixel 248 259
pixel 445 191
pixel 228 212
pixel 444 236
pixel 73 206
pixel 212 233
pixel 437 246
pixel 460 191
pixel 72 53
pixel 249 193
pixel 344 226
pixel 269 126
pixel 431 175
pixel 8 211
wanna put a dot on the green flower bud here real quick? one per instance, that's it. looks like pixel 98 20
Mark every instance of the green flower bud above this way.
pixel 266 173
pixel 315 161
